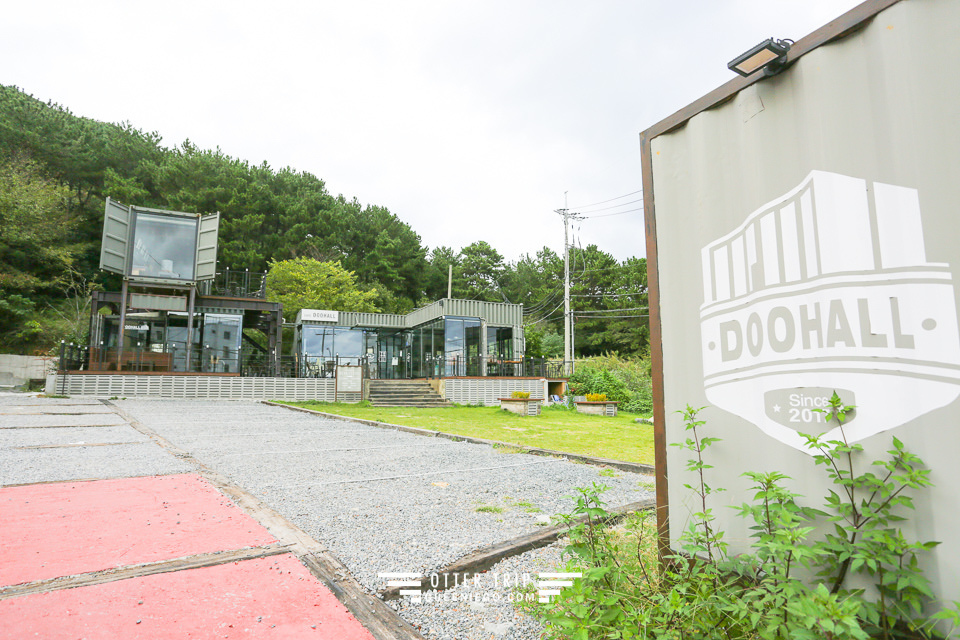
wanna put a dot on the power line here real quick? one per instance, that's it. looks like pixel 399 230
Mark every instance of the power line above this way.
pixel 607 215
pixel 607 295
pixel 632 193
pixel 622 266
pixel 547 316
pixel 642 315
pixel 597 311
pixel 616 205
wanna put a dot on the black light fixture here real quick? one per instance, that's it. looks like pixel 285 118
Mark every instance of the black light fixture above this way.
pixel 770 55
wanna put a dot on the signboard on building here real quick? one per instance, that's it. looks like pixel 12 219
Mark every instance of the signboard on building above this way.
pixel 802 240
pixel 317 315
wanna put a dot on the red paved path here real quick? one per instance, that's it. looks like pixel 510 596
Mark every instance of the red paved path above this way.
pixel 61 529
pixel 214 602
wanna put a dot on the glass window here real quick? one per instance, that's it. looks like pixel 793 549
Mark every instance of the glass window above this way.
pixel 437 344
pixel 176 344
pixel 164 246
pixel 221 342
pixel 348 343
pixel 500 342
pixel 462 345
pixel 318 342
pixel 416 348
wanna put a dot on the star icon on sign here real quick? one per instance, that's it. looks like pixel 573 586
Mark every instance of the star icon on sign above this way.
pixel 776 408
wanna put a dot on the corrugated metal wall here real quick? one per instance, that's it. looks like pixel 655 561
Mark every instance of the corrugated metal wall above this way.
pixel 495 313
pixel 351 318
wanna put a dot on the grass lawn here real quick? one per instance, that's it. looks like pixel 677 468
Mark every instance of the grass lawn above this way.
pixel 559 429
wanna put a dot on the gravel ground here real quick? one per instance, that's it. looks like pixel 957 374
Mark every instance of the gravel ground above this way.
pixel 483 609
pixel 387 501
pixel 26 399
pixel 10 438
pixel 44 420
pixel 22 466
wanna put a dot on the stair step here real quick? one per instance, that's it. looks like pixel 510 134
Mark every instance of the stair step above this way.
pixel 405 393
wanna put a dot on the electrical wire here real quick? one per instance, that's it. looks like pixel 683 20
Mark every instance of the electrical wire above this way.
pixel 607 295
pixel 613 207
pixel 587 206
pixel 607 215
pixel 547 316
pixel 599 311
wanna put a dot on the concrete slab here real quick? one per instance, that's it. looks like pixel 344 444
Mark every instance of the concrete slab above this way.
pixel 272 597
pixel 63 529
pixel 23 420
pixel 52 436
pixel 58 409
pixel 22 466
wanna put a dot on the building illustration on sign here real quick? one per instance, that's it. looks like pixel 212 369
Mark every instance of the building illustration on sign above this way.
pixel 825 289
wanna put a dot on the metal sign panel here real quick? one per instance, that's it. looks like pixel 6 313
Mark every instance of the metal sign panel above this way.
pixel 349 379
pixel 158 302
pixel 802 240
pixel 207 247
pixel 116 237
pixel 317 315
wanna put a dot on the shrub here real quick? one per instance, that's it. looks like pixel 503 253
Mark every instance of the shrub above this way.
pixel 596 397
pixel 520 394
pixel 623 380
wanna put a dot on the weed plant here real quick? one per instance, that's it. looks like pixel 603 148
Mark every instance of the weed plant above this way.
pixel 790 585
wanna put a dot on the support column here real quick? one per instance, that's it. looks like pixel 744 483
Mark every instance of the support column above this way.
pixel 190 307
pixel 123 321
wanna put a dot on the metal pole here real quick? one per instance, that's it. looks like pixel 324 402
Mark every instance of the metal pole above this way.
pixel 567 347
pixel 190 306
pixel 450 280
pixel 123 321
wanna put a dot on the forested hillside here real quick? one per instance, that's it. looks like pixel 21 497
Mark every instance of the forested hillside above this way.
pixel 57 168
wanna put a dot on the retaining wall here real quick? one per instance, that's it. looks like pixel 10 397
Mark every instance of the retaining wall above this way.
pixel 488 391
pixel 211 387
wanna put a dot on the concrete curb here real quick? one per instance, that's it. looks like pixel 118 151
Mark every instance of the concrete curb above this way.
pixel 633 467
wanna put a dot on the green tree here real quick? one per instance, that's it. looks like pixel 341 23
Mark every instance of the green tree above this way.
pixel 440 261
pixel 479 273
pixel 37 245
pixel 609 301
pixel 305 283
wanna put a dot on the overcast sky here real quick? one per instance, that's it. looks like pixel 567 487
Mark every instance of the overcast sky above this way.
pixel 467 119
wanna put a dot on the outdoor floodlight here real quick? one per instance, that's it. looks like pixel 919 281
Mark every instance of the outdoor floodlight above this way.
pixel 770 55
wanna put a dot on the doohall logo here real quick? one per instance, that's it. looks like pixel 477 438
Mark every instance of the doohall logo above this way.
pixel 828 288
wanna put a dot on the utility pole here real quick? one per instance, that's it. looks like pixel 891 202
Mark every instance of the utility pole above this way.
pixel 567 324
